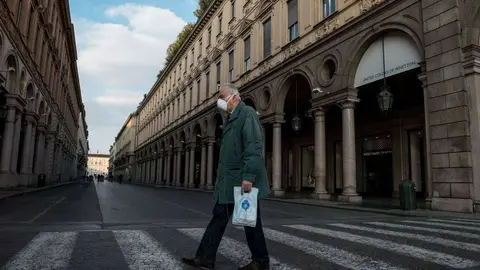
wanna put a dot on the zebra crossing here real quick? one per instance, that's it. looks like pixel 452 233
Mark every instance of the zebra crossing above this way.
pixel 393 244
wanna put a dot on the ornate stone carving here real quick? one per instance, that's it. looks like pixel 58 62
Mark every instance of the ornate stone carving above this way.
pixel 327 28
pixel 291 50
pixel 246 78
pixel 244 26
pixel 247 7
pixel 265 66
pixel 366 5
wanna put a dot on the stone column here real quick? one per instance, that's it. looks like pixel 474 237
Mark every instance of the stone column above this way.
pixel 167 168
pixel 160 169
pixel 210 165
pixel 33 145
pixel 192 167
pixel 320 157
pixel 203 166
pixel 349 159
pixel 152 170
pixel 27 148
pixel 178 168
pixel 49 162
pixel 16 143
pixel 8 133
pixel 187 168
pixel 277 160
pixel 38 165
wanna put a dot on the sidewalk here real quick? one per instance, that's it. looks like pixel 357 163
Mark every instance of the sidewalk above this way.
pixel 346 206
pixel 11 192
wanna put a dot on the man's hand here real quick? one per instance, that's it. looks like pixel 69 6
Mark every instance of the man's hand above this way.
pixel 246 186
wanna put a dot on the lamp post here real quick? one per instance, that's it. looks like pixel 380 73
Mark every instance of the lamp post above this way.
pixel 385 97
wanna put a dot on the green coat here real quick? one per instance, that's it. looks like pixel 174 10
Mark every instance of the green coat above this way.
pixel 241 155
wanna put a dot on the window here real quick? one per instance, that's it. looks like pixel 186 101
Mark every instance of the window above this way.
pixel 186 61
pixel 198 91
pixel 30 26
pixel 220 20
pixel 179 69
pixel 209 41
pixel 230 65
pixel 293 19
pixel 19 11
pixel 191 96
pixel 219 64
pixel 178 107
pixel 200 46
pixel 207 84
pixel 246 42
pixel 193 56
pixel 185 102
pixel 233 9
pixel 267 38
pixel 328 7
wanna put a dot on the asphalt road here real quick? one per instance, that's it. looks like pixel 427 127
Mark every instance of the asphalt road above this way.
pixel 113 226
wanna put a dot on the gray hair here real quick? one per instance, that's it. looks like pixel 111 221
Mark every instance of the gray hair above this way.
pixel 231 89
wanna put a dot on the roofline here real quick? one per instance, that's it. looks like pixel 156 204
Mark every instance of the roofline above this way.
pixel 188 41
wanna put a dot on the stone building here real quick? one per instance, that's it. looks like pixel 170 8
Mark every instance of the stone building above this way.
pixel 354 97
pixel 40 98
pixel 82 147
pixel 124 149
pixel 97 163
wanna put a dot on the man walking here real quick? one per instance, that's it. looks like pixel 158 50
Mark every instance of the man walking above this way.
pixel 241 163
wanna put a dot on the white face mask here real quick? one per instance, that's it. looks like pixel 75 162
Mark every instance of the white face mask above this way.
pixel 223 104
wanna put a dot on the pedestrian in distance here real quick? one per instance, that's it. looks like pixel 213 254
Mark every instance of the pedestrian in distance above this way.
pixel 241 163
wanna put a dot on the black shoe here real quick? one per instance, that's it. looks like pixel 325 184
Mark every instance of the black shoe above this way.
pixel 253 266
pixel 198 264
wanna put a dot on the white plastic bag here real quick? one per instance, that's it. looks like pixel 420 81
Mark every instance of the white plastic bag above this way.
pixel 245 210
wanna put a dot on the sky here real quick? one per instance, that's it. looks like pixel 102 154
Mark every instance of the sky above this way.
pixel 121 47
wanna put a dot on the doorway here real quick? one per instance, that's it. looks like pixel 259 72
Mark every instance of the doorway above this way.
pixel 377 162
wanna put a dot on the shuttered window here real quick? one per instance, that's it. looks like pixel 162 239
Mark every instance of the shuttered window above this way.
pixel 328 7
pixel 231 65
pixel 218 73
pixel 293 19
pixel 267 38
pixel 247 53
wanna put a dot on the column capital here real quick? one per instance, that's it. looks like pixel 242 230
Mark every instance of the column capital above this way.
pixel 42 128
pixel 31 117
pixel 348 103
pixel 471 62
pixel 14 100
pixel 317 112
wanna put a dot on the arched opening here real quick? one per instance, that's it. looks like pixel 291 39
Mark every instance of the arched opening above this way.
pixel 197 133
pixel 218 124
pixel 297 138
pixel 183 169
pixel 389 119
pixel 11 75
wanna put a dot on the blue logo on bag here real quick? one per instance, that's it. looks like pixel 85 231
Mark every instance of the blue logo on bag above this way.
pixel 245 204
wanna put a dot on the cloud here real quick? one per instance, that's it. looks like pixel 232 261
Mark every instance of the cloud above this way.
pixel 118 60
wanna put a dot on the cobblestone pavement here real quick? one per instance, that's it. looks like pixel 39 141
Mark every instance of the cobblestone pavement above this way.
pixel 113 226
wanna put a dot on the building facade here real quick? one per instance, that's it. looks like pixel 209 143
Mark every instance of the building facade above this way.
pixel 82 147
pixel 354 97
pixel 111 159
pixel 40 97
pixel 124 160
pixel 97 164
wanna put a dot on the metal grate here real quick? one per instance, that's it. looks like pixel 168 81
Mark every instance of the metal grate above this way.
pixel 378 145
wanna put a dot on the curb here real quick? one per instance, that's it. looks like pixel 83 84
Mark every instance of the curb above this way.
pixel 20 193
pixel 414 213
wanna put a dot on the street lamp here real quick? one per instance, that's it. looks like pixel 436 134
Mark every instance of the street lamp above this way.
pixel 296 122
pixel 385 99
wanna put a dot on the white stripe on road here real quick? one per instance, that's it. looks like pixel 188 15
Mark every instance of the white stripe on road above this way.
pixel 425 229
pixel 328 253
pixel 455 221
pixel 429 239
pixel 420 253
pixel 47 250
pixel 234 250
pixel 142 251
pixel 438 224
pixel 477 221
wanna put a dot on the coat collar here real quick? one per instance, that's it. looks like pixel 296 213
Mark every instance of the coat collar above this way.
pixel 236 112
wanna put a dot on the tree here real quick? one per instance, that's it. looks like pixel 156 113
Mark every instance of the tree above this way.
pixel 202 7
pixel 177 44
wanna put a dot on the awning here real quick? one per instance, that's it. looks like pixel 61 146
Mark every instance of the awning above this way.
pixel 401 54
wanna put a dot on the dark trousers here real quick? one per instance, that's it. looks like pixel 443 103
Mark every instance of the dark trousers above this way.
pixel 213 235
